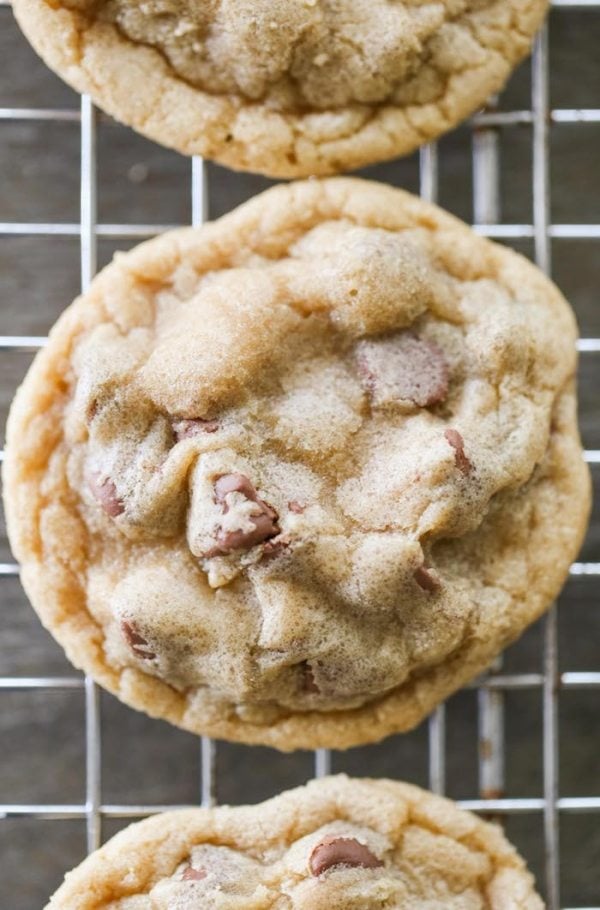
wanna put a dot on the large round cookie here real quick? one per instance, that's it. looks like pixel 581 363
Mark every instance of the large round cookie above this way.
pixel 335 844
pixel 295 476
pixel 285 87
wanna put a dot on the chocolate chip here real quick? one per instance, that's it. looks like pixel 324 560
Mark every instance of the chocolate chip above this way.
pixel 426 580
pixel 193 875
pixel 341 851
pixel 403 367
pixel 185 429
pixel 138 645
pixel 307 679
pixel 105 492
pixel 296 507
pixel 264 521
pixel 454 439
pixel 264 529
pixel 234 483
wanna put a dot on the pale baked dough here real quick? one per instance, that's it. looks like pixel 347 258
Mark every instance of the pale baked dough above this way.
pixel 297 475
pixel 420 853
pixel 286 87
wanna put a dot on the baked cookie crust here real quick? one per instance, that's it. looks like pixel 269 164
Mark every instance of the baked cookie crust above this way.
pixel 232 512
pixel 285 88
pixel 334 843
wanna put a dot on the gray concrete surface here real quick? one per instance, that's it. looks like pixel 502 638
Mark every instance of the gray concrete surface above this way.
pixel 41 734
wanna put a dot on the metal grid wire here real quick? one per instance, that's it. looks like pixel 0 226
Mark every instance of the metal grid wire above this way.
pixel 492 687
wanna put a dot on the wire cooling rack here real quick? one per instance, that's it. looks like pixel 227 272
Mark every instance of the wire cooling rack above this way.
pixel 493 688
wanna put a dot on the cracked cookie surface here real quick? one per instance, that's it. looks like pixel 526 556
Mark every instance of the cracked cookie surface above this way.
pixel 285 87
pixel 295 476
pixel 335 843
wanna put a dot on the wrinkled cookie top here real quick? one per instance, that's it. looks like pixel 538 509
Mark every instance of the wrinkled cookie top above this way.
pixel 336 843
pixel 338 862
pixel 270 446
pixel 293 461
pixel 288 88
pixel 316 54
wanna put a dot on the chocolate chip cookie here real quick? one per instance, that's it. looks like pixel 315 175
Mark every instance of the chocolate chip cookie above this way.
pixel 288 88
pixel 335 844
pixel 295 476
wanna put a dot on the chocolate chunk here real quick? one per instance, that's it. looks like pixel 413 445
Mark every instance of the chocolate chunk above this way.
pixel 403 367
pixel 307 679
pixel 138 645
pixel 193 875
pixel 264 529
pixel 234 483
pixel 185 429
pixel 426 580
pixel 454 439
pixel 341 851
pixel 105 493
pixel 264 519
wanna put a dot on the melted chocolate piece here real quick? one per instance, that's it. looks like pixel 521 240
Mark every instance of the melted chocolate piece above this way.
pixel 454 439
pixel 264 521
pixel 341 851
pixel 105 493
pixel 193 875
pixel 136 642
pixel 307 679
pixel 403 367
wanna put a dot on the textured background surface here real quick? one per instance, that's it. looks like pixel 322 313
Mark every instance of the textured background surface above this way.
pixel 42 755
